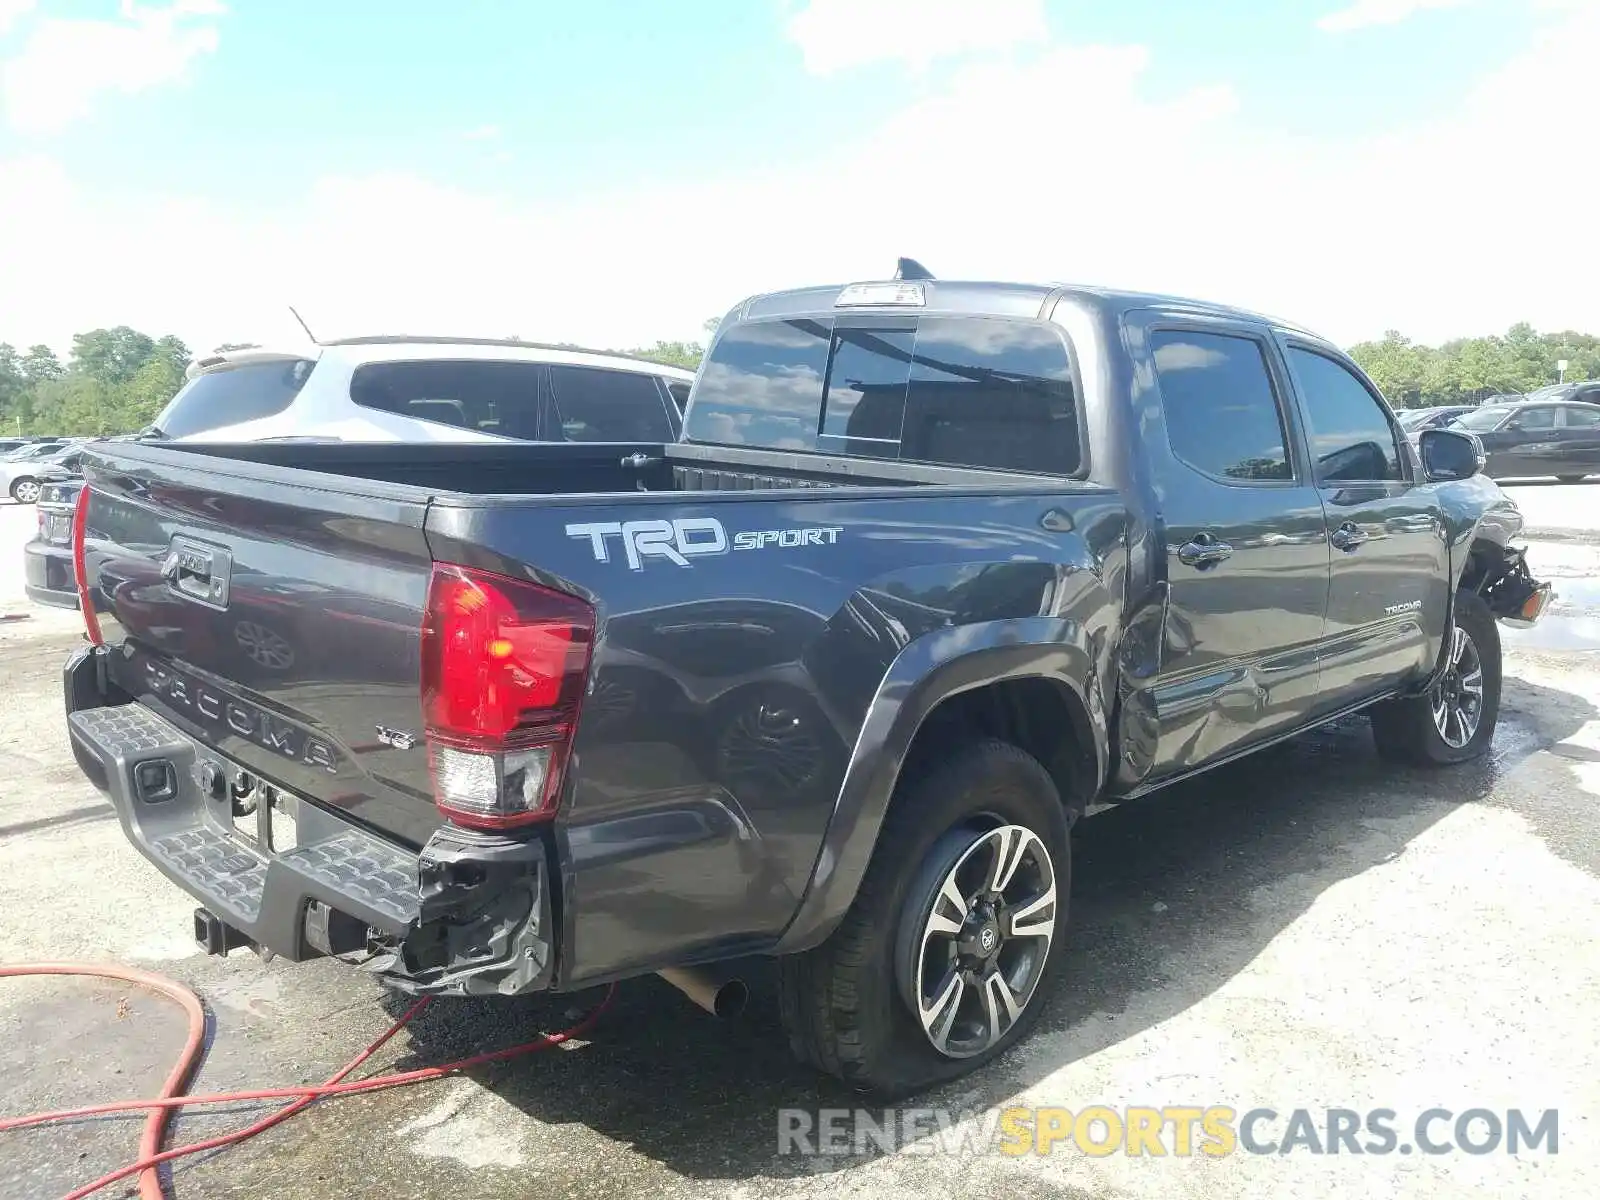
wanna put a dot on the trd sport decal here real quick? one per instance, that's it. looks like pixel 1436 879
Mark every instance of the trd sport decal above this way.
pixel 691 537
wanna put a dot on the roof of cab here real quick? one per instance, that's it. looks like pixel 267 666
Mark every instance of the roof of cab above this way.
pixel 996 299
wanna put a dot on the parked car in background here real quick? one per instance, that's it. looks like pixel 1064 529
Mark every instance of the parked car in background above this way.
pixel 1415 420
pixel 1537 438
pixel 1584 391
pixel 405 389
pixel 47 559
pixel 20 471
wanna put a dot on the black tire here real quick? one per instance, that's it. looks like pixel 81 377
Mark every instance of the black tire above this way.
pixel 1571 478
pixel 1408 731
pixel 25 490
pixel 845 1003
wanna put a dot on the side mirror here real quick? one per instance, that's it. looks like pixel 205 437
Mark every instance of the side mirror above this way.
pixel 1450 454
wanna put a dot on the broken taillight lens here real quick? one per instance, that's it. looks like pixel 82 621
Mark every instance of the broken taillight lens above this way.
pixel 504 665
pixel 80 570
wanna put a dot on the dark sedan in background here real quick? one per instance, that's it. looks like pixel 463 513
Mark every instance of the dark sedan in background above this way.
pixel 47 560
pixel 1537 438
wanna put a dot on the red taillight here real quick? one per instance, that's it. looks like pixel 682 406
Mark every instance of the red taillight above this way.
pixel 504 663
pixel 80 571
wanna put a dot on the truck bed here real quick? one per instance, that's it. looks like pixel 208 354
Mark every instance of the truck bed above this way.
pixel 529 470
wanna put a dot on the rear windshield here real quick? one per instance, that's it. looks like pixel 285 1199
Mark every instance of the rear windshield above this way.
pixel 233 394
pixel 959 391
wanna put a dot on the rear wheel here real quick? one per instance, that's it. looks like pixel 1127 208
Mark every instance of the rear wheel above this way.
pixel 940 963
pixel 1455 720
pixel 25 491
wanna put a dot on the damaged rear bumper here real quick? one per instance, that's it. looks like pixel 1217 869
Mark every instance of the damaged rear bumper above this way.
pixel 468 915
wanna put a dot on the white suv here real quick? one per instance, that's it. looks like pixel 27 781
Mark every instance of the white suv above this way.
pixel 394 389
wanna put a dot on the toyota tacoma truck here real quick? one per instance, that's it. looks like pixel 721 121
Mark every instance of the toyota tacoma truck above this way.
pixel 935 570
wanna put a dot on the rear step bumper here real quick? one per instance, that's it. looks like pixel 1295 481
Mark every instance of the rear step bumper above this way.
pixel 469 915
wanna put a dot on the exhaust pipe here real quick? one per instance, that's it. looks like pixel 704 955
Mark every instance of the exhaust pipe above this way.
pixel 719 994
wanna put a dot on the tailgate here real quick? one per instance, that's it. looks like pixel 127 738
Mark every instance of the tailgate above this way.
pixel 275 621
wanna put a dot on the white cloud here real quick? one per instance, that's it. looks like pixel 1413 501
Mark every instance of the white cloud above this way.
pixel 1460 225
pixel 483 133
pixel 11 10
pixel 834 35
pixel 1363 14
pixel 65 64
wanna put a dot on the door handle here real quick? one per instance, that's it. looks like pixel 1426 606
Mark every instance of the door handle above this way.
pixel 1349 537
pixel 1204 551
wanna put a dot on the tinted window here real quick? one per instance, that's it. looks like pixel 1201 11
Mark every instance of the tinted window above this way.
pixel 1533 418
pixel 609 406
pixel 505 398
pixel 1222 416
pixel 1580 417
pixel 961 391
pixel 1351 438
pixel 234 394
pixel 867 384
pixel 989 393
pixel 762 386
pixel 680 395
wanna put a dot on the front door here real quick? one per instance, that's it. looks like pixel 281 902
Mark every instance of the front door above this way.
pixel 1246 543
pixel 1388 584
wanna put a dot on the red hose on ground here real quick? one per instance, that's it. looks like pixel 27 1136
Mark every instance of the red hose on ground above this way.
pixel 161 1107
pixel 155 1127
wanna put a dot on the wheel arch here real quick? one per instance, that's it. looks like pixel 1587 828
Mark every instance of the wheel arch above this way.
pixel 1009 677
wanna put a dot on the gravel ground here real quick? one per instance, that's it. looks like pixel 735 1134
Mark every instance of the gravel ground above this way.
pixel 1307 929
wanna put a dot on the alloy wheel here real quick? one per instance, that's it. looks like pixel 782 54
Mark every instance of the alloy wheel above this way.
pixel 1457 699
pixel 982 939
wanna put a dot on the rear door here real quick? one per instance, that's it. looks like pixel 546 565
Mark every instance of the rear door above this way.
pixel 1578 428
pixel 1247 548
pixel 1388 585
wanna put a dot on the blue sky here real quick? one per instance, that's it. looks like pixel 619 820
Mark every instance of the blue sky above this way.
pixel 613 172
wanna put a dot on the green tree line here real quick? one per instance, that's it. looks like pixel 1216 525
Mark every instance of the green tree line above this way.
pixel 115 381
pixel 1468 370
pixel 118 380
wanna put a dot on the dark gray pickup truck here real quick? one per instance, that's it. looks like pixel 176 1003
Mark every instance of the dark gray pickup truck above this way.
pixel 935 569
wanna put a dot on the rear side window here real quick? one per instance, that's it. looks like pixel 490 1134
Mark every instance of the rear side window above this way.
pixel 762 386
pixel 227 397
pixel 1581 416
pixel 1351 438
pixel 506 398
pixel 957 391
pixel 680 395
pixel 1533 419
pixel 609 406
pixel 1222 416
